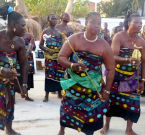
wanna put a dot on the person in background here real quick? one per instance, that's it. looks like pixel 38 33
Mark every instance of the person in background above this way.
pixel 63 27
pixel 50 43
pixel 116 30
pixel 121 24
pixel 106 33
pixel 143 36
pixel 126 89
pixel 29 47
pixel 83 55
pixel 12 49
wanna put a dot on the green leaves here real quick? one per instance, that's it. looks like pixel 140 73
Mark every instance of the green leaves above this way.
pixel 43 8
pixel 114 8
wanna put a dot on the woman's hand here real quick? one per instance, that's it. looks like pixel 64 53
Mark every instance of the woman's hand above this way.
pixel 50 52
pixel 105 95
pixel 134 61
pixel 141 88
pixel 78 67
pixel 9 73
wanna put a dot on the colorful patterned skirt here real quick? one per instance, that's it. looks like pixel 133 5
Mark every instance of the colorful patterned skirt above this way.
pixel 81 109
pixel 7 94
pixel 124 105
pixel 53 72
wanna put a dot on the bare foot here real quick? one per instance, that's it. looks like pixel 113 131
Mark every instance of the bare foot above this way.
pixel 29 99
pixel 130 132
pixel 60 132
pixel 11 132
pixel 45 99
pixel 104 130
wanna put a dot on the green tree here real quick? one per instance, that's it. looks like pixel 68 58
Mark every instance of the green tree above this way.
pixel 115 8
pixel 81 8
pixel 3 2
pixel 42 8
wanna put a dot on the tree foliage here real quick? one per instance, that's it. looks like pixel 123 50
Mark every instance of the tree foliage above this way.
pixel 4 2
pixel 81 8
pixel 115 8
pixel 44 7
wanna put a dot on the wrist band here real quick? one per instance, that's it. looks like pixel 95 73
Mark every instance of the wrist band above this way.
pixel 25 85
pixel 106 91
pixel 143 79
pixel 1 68
pixel 71 65
pixel 126 59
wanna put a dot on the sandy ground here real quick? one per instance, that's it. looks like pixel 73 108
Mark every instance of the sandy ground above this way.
pixel 38 118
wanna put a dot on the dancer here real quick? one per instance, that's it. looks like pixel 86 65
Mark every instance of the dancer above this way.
pixel 63 26
pixel 11 50
pixel 51 42
pixel 83 54
pixel 29 47
pixel 106 33
pixel 125 89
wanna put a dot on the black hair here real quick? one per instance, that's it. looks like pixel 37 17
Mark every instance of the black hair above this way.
pixel 62 14
pixel 92 14
pixel 11 16
pixel 49 16
pixel 128 18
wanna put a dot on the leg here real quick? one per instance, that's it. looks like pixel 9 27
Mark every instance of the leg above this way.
pixel 106 126
pixel 28 98
pixel 61 130
pixel 59 94
pixel 46 97
pixel 89 133
pixel 129 130
pixel 9 130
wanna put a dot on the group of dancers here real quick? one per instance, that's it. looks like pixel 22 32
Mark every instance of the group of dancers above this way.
pixel 75 68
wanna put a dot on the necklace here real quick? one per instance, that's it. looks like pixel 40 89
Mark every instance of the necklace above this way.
pixel 91 41
pixel 12 46
pixel 132 40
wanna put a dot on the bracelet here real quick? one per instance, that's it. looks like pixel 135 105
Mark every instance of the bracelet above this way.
pixel 106 91
pixel 126 59
pixel 71 65
pixel 1 68
pixel 25 85
pixel 143 79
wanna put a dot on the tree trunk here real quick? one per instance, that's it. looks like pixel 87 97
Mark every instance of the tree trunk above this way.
pixel 69 8
pixel 21 8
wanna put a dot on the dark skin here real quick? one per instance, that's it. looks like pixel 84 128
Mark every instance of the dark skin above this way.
pixel 7 38
pixel 143 34
pixel 63 27
pixel 99 47
pixel 32 41
pixel 31 48
pixel 106 31
pixel 49 31
pixel 127 39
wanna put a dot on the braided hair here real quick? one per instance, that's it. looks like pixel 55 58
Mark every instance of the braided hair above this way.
pixel 7 13
pixel 92 14
pixel 49 16
pixel 128 18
